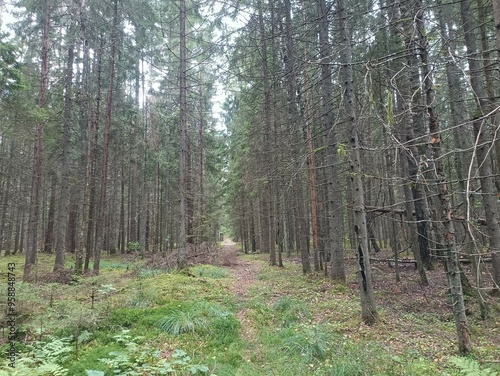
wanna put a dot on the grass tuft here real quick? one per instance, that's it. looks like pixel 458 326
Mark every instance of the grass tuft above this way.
pixel 194 317
pixel 210 271
pixel 310 342
pixel 178 322
pixel 290 311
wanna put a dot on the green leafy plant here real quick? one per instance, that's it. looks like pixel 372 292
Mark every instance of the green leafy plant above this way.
pixel 42 359
pixel 471 367
pixel 94 373
pixel 133 246
pixel 107 289
pixel 26 367
pixel 134 359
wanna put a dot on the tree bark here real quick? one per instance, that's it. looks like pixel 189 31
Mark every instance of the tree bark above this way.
pixel 36 184
pixel 105 149
pixel 48 246
pixel 483 141
pixel 445 225
pixel 183 149
pixel 368 306
pixel 334 193
pixel 63 203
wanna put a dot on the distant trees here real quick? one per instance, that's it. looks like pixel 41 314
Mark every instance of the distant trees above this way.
pixel 361 87
pixel 102 138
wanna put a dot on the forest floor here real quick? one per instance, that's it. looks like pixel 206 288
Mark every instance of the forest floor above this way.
pixel 233 314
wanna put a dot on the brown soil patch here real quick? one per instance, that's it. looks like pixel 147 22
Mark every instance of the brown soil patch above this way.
pixel 245 275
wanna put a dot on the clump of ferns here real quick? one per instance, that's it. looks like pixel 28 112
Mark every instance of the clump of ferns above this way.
pixel 197 317
pixel 45 358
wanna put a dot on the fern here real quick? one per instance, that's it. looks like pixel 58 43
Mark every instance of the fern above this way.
pixel 471 367
pixel 134 360
pixel 42 359
pixel 53 351
pixel 91 372
pixel 24 367
pixel 84 337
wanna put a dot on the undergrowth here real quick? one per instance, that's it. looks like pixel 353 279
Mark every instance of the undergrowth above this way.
pixel 134 320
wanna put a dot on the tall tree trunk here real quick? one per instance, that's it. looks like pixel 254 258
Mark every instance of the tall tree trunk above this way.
pixel 36 184
pixel 334 193
pixel 368 307
pixel 48 246
pixel 402 31
pixel 483 141
pixel 268 205
pixel 183 149
pixel 201 166
pixel 63 203
pixel 83 100
pixel 105 148
pixel 446 225
pixel 92 163
pixel 415 128
pixel 312 173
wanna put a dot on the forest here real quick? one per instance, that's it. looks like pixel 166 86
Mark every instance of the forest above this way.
pixel 238 183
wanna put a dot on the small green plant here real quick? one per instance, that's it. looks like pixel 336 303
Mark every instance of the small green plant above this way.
pixel 134 359
pixel 144 272
pixel 25 367
pixel 133 246
pixel 107 289
pixel 42 359
pixel 471 367
pixel 143 297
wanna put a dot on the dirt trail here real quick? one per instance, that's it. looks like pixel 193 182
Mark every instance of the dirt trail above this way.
pixel 245 274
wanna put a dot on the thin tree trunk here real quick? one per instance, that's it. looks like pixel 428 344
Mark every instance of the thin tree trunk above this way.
pixel 48 246
pixel 83 101
pixel 483 142
pixel 312 176
pixel 105 149
pixel 63 203
pixel 446 225
pixel 334 194
pixel 36 184
pixel 183 150
pixel 368 307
